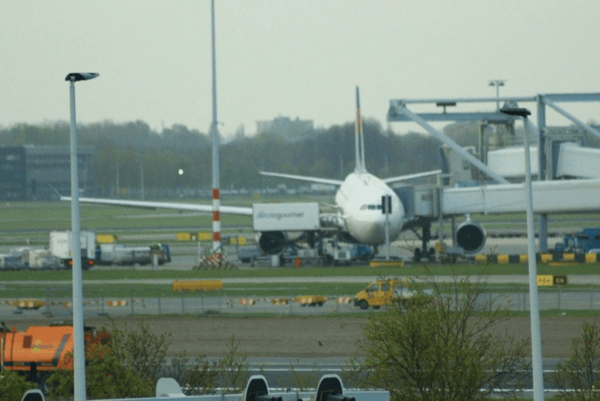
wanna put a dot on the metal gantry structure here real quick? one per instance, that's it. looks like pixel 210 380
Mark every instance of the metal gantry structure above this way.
pixel 399 112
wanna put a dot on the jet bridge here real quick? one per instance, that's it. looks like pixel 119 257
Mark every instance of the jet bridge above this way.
pixel 559 196
pixel 399 111
pixel 577 161
pixel 570 160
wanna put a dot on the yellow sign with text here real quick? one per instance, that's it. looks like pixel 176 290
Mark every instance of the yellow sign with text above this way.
pixel 545 280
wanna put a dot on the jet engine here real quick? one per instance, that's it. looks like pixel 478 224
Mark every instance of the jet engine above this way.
pixel 470 236
pixel 272 242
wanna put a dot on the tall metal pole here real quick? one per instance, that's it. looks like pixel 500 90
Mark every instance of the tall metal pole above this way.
pixel 545 172
pixel 536 339
pixel 215 148
pixel 534 308
pixel 78 345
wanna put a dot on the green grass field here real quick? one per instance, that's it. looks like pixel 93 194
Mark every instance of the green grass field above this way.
pixel 46 216
pixel 408 270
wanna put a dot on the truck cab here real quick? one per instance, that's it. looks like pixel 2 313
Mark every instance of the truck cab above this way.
pixel 380 292
pixel 582 242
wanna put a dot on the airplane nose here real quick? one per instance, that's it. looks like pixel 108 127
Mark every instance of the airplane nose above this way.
pixel 377 229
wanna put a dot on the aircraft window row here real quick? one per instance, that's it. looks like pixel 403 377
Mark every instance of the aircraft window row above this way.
pixel 370 207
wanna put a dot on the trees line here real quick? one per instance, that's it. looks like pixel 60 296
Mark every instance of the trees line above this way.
pixel 324 152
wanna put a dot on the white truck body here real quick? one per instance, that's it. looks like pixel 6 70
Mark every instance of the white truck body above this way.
pixel 43 259
pixel 60 245
pixel 299 216
pixel 11 262
pixel 30 258
pixel 124 255
pixel 338 251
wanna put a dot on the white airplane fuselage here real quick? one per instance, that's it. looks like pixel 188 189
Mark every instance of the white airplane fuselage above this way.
pixel 359 202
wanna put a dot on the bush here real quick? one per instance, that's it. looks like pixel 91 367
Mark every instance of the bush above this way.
pixel 579 376
pixel 233 369
pixel 440 347
pixel 130 366
pixel 13 385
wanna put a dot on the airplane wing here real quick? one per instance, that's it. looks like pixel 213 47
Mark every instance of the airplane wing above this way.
pixel 305 178
pixel 392 180
pixel 246 211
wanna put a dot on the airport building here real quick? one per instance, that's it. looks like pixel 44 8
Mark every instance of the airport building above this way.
pixel 30 172
pixel 286 127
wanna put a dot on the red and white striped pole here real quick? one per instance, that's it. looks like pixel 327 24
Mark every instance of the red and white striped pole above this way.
pixel 215 149
pixel 216 224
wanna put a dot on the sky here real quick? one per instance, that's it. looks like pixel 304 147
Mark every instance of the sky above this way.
pixel 294 58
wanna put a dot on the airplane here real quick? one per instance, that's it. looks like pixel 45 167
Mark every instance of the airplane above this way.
pixel 358 203
pixel 359 197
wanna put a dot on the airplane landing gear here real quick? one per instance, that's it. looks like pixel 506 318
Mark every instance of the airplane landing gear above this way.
pixel 426 251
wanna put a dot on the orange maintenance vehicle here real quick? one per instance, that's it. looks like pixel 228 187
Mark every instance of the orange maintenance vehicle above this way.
pixel 40 350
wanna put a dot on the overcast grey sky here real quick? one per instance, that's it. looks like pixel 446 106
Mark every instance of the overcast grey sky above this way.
pixel 296 58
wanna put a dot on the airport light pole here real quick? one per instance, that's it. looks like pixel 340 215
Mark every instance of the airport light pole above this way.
pixel 534 309
pixel 216 198
pixel 497 83
pixel 78 340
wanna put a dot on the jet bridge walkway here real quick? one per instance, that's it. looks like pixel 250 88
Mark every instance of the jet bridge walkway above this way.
pixel 573 161
pixel 559 196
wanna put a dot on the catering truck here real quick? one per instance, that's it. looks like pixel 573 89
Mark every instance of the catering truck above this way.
pixel 60 246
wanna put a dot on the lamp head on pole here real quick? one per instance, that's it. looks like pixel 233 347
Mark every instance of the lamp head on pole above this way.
pixel 520 112
pixel 81 76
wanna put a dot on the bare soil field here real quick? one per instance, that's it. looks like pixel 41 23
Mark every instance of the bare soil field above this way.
pixel 304 337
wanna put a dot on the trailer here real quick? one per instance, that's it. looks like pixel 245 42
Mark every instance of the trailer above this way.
pixel 42 259
pixel 60 246
pixel 117 254
pixel 11 262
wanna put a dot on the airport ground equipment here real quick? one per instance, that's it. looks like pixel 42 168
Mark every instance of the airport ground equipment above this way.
pixel 197 285
pixel 275 223
pixel 335 252
pixel 248 254
pixel 30 258
pixel 117 254
pixel 60 246
pixel 382 292
pixel 41 350
pixel 311 300
pixel 585 241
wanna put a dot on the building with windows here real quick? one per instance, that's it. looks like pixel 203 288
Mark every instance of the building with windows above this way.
pixel 13 183
pixel 286 127
pixel 31 172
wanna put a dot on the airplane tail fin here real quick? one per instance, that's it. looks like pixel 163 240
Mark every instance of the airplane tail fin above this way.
pixel 359 140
